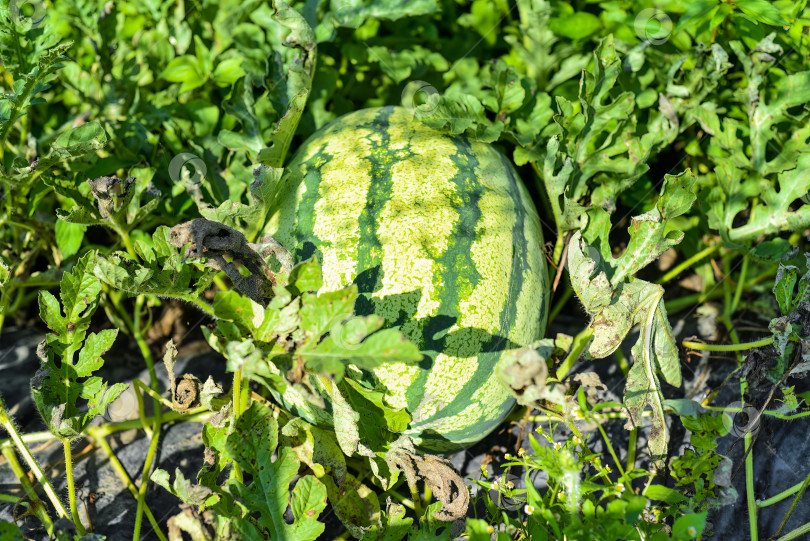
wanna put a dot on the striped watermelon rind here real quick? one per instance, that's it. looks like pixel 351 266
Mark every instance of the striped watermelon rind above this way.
pixel 442 239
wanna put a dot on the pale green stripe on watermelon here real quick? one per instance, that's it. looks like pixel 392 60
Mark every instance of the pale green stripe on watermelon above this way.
pixel 442 239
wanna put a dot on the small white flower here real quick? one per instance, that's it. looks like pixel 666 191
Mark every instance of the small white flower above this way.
pixel 490 529
pixel 620 487
pixel 507 456
pixel 510 485
pixel 691 531
pixel 560 495
pixel 521 452
pixel 510 529
pixel 607 468
pixel 557 445
pixel 529 509
pixel 577 440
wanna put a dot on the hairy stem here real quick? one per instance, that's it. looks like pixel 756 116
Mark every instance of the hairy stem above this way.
pixel 74 511
pixel 124 476
pixel 36 505
pixel 157 419
pixel 793 505
pixel 5 422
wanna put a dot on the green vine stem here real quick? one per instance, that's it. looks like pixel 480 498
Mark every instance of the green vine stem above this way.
pixel 99 438
pixel 580 342
pixel 137 334
pixel 74 511
pixel 797 533
pixel 784 494
pixel 727 347
pixel 610 450
pixel 196 415
pixel 417 500
pixel 147 470
pixel 749 475
pixel 238 408
pixel 771 413
pixel 675 271
pixel 793 505
pixel 5 422
pixel 674 306
pixel 728 305
pixel 735 303
pixel 143 388
pixel 749 487
pixel 598 417
pixel 35 504
pixel 631 449
pixel 402 500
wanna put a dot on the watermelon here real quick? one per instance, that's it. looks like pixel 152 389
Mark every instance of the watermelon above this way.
pixel 443 241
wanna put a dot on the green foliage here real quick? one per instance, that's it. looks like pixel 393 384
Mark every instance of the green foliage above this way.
pixel 64 377
pixel 617 305
pixel 160 270
pixel 301 326
pixel 256 510
pixel 10 531
pixel 789 335
pixel 583 499
pixel 311 341
pixel 645 133
pixel 776 170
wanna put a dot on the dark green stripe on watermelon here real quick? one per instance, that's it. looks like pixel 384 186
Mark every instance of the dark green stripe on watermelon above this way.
pixel 494 347
pixel 307 244
pixel 381 158
pixel 458 274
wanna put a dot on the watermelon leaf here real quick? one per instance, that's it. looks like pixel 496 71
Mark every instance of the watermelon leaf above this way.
pixel 363 421
pixel 249 218
pixel 116 204
pixel 394 525
pixel 162 270
pixel 242 107
pixel 10 531
pixel 431 529
pixel 356 504
pixel 181 487
pixel 315 447
pixel 353 13
pixel 255 510
pixel 252 445
pixel 58 386
pixel 299 52
pixel 317 332
pixel 359 342
pixel 650 235
pixel 776 172
pixel 614 312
